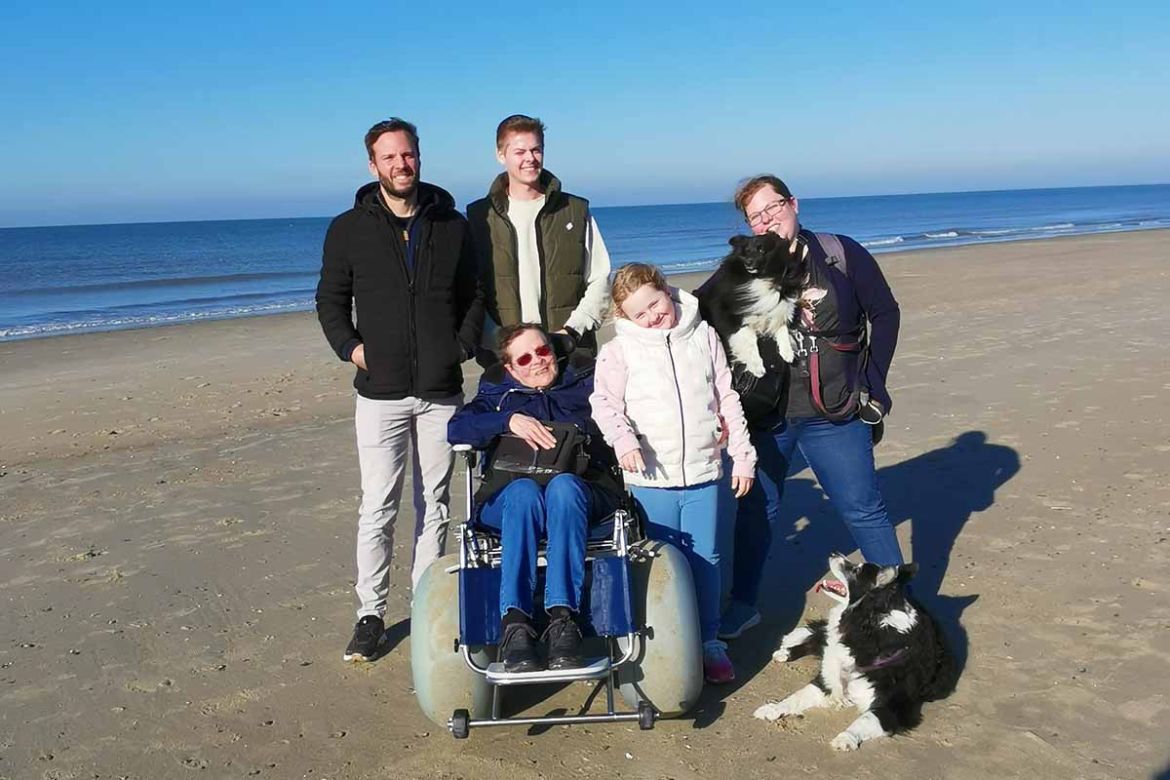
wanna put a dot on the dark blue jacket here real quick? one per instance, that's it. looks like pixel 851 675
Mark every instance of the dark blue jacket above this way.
pixel 486 416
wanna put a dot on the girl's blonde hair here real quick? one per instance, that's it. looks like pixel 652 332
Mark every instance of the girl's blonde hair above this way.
pixel 631 277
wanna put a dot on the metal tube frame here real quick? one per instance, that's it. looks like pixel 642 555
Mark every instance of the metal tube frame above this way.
pixel 473 553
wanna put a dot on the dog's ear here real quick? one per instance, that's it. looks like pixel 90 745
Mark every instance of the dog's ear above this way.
pixel 885 576
pixel 906 571
pixel 738 242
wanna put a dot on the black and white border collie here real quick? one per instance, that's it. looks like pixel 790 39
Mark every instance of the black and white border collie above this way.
pixel 755 294
pixel 880 652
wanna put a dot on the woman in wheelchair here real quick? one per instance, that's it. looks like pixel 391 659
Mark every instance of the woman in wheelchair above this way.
pixel 528 388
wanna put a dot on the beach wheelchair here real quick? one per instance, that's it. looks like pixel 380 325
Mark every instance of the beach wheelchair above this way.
pixel 638 616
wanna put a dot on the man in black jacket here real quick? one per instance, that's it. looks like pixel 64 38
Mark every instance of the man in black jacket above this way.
pixel 404 256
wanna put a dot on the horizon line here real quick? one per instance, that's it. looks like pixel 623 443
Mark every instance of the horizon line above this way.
pixel 615 206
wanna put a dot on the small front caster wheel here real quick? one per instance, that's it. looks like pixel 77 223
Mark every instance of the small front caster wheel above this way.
pixel 460 727
pixel 646 716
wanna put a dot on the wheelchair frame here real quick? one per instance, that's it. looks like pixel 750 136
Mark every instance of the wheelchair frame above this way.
pixel 478 549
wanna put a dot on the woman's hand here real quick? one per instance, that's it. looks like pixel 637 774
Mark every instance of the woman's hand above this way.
pixel 632 461
pixel 741 485
pixel 532 431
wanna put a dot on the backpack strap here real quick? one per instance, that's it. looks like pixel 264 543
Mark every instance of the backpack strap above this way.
pixel 835 256
pixel 834 251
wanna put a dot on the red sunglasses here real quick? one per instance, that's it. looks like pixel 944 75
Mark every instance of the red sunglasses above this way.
pixel 543 351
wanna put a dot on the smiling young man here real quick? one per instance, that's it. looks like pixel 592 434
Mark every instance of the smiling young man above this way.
pixel 404 257
pixel 542 255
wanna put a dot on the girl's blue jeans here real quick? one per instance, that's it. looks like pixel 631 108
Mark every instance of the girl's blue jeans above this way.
pixel 841 457
pixel 690 519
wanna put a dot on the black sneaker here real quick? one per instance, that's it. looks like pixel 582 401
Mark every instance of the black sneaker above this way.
pixel 518 648
pixel 368 636
pixel 564 643
pixel 871 413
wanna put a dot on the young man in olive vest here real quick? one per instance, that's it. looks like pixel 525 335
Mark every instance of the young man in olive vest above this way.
pixel 542 257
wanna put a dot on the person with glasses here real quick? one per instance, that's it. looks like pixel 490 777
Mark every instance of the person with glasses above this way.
pixel 842 295
pixel 527 388
pixel 541 252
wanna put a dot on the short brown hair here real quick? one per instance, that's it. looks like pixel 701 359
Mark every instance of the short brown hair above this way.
pixel 630 278
pixel 509 333
pixel 519 123
pixel 749 187
pixel 391 125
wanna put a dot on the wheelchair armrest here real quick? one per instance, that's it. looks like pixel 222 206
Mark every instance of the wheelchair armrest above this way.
pixel 469 454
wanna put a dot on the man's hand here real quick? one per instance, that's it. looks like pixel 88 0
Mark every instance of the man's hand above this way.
pixel 741 485
pixel 632 461
pixel 532 431
pixel 358 357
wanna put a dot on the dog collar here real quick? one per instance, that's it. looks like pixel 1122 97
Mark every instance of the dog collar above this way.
pixel 883 661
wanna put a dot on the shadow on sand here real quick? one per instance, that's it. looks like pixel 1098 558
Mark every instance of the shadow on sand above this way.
pixel 938 491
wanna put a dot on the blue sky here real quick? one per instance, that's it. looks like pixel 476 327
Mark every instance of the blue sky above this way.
pixel 139 112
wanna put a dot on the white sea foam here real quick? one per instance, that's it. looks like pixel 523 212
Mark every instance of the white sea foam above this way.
pixel 883 241
pixel 145 320
pixel 947 234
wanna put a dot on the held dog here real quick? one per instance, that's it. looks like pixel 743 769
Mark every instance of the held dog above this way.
pixel 880 652
pixel 755 293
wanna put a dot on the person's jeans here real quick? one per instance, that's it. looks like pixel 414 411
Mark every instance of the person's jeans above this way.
pixel 691 520
pixel 524 513
pixel 841 457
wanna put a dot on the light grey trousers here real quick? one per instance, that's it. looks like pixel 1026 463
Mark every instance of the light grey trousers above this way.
pixel 385 430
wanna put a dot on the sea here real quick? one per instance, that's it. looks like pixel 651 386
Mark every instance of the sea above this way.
pixel 83 278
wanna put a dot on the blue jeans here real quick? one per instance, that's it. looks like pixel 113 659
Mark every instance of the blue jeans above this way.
pixel 689 518
pixel 841 456
pixel 525 513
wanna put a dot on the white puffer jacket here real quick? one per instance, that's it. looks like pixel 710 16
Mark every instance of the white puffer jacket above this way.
pixel 662 391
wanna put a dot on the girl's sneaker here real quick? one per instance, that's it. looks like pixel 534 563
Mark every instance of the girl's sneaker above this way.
pixel 717 668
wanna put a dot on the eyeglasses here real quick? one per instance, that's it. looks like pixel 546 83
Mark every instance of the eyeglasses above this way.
pixel 543 351
pixel 772 210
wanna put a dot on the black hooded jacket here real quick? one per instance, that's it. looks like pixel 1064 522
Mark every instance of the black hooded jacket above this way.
pixel 417 324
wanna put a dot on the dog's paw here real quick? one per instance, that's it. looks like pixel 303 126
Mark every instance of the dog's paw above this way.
pixel 784 347
pixel 772 711
pixel 795 644
pixel 845 741
pixel 754 366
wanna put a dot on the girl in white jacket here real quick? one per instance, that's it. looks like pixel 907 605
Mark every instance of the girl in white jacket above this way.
pixel 662 398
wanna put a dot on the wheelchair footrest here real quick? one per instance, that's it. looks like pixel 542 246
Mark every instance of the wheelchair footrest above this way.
pixel 594 669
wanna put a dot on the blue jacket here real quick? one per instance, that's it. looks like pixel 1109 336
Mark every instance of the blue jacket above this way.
pixel 486 416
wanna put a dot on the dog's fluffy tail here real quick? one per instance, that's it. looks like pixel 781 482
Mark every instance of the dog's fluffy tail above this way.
pixel 946 671
pixel 808 639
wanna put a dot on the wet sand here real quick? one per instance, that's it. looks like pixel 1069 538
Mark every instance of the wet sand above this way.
pixel 177 512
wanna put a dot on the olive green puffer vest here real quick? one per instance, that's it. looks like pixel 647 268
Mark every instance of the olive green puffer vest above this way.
pixel 561 229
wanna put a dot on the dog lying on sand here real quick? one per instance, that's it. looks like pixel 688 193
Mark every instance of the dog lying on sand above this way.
pixel 880 652
pixel 754 293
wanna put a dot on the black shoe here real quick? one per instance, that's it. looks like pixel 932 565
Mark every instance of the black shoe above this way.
pixel 518 648
pixel 871 413
pixel 564 643
pixel 368 636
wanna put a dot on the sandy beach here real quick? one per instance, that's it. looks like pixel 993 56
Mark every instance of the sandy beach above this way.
pixel 178 506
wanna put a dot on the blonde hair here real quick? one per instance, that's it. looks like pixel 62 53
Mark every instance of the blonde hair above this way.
pixel 632 277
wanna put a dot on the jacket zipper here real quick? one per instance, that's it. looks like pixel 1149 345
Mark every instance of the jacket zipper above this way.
pixel 682 422
pixel 410 306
